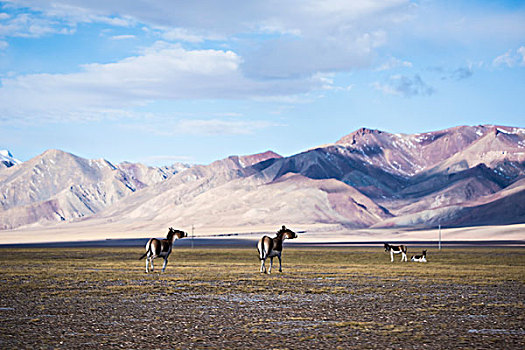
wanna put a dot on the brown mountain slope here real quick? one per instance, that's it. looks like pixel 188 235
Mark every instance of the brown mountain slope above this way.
pixel 497 146
pixel 458 176
pixel 183 187
pixel 410 154
pixel 243 201
pixel 502 208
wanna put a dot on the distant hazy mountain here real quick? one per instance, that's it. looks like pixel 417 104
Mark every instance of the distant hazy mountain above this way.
pixel 467 175
pixel 58 186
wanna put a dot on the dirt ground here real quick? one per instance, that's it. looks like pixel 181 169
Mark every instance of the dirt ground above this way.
pixel 216 299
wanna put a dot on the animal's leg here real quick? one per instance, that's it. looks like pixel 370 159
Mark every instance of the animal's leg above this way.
pixel 263 268
pixel 151 264
pixel 391 256
pixel 165 263
pixel 271 264
pixel 404 257
pixel 147 261
pixel 280 264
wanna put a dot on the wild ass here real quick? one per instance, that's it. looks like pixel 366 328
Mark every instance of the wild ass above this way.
pixel 420 258
pixel 396 249
pixel 273 247
pixel 161 248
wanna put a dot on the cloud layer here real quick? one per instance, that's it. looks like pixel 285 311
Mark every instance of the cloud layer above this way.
pixel 162 72
pixel 231 50
pixel 265 49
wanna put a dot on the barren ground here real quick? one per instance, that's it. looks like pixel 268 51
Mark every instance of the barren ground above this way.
pixel 215 298
pixel 319 233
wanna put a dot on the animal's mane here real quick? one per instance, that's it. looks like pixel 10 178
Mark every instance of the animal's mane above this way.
pixel 173 232
pixel 282 231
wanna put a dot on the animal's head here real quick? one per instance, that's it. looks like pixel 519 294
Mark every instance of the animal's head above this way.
pixel 386 247
pixel 286 233
pixel 425 252
pixel 177 234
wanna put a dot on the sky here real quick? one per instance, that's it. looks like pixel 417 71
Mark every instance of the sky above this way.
pixel 164 81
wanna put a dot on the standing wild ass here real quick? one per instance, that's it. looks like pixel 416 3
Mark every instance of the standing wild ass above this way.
pixel 396 249
pixel 273 247
pixel 161 248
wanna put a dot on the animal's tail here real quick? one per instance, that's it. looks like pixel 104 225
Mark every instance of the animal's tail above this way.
pixel 260 249
pixel 261 253
pixel 147 250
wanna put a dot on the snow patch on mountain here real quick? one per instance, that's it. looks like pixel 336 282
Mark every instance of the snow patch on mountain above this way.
pixel 7 160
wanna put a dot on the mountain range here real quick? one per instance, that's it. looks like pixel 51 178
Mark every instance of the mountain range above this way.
pixel 462 176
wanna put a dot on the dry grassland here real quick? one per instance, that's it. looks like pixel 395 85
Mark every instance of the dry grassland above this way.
pixel 215 298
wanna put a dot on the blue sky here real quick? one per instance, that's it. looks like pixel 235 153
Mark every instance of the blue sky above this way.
pixel 161 81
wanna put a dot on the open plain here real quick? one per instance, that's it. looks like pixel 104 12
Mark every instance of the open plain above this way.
pixel 216 298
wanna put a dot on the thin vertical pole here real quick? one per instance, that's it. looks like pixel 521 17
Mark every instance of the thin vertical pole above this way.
pixel 439 244
pixel 192 231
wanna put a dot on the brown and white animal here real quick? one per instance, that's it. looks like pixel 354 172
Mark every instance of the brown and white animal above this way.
pixel 161 247
pixel 420 258
pixel 273 247
pixel 396 249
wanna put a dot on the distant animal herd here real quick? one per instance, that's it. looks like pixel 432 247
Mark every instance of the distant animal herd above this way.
pixel 267 247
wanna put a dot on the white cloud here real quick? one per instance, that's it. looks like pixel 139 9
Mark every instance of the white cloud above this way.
pixel 505 59
pixel 162 72
pixel 521 52
pixel 225 17
pixel 123 37
pixel 511 58
pixel 310 36
pixel 393 63
pixel 461 25
pixel 31 25
pixel 181 34
pixel 273 50
pixel 220 127
pixel 165 126
pixel 3 45
pixel 285 58
pixel 405 86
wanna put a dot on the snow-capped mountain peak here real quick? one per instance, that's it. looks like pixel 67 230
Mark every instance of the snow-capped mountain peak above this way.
pixel 7 160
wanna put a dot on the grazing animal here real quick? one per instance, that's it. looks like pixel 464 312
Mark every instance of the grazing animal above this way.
pixel 420 258
pixel 161 248
pixel 396 249
pixel 273 247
